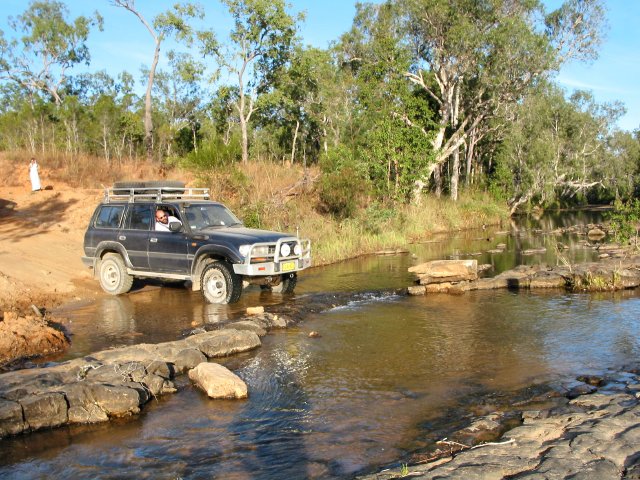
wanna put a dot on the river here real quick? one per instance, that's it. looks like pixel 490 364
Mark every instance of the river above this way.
pixel 387 375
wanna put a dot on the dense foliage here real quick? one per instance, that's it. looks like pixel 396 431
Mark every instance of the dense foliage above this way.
pixel 418 96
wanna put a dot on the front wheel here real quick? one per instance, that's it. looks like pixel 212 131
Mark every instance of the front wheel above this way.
pixel 287 284
pixel 114 278
pixel 220 284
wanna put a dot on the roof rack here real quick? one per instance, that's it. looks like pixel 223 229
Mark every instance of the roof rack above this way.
pixel 158 194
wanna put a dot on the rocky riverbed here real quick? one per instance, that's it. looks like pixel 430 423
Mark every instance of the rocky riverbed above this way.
pixel 590 432
pixel 119 382
pixel 459 276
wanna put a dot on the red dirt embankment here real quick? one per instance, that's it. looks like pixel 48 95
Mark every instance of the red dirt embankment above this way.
pixel 41 236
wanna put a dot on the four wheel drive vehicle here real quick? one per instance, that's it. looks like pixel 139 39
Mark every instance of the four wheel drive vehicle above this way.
pixel 207 245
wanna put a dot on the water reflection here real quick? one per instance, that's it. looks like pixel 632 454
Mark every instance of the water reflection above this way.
pixel 384 371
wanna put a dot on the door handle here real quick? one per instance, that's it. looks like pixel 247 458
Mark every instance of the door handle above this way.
pixel 122 238
pixel 153 240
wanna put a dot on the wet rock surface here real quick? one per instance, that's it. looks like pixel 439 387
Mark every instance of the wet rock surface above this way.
pixel 605 275
pixel 595 434
pixel 218 381
pixel 119 382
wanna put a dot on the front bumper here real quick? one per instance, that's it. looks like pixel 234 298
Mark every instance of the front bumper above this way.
pixel 271 268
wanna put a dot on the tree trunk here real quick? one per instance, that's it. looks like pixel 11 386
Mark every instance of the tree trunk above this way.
pixel 195 138
pixel 455 174
pixel 469 156
pixel 437 179
pixel 148 120
pixel 295 139
pixel 245 140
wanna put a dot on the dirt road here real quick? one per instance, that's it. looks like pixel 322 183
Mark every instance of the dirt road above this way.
pixel 41 236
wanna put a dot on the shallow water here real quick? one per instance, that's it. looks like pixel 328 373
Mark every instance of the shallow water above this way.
pixel 385 371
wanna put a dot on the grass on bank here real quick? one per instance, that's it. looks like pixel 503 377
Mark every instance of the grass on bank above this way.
pixel 283 198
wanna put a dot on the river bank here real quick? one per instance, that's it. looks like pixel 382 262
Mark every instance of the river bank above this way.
pixel 41 238
pixel 592 435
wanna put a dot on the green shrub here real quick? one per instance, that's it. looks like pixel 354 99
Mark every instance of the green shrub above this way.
pixel 343 187
pixel 252 215
pixel 214 154
pixel 624 220
pixel 378 218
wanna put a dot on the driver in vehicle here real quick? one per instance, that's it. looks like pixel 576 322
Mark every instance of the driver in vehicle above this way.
pixel 163 220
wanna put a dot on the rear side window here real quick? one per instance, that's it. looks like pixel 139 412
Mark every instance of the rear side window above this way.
pixel 109 216
pixel 140 217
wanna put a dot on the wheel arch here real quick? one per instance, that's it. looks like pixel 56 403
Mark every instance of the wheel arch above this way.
pixel 110 247
pixel 204 257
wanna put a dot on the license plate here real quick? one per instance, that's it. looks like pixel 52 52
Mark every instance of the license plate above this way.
pixel 287 266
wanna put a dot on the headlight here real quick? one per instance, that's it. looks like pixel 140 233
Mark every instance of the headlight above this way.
pixel 244 250
pixel 285 250
pixel 261 251
pixel 297 249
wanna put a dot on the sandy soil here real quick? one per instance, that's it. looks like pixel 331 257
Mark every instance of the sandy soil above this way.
pixel 41 236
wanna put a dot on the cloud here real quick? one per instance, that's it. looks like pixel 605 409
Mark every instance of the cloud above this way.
pixel 595 87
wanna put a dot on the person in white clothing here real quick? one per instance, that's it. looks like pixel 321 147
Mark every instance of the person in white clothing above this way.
pixel 34 176
pixel 163 220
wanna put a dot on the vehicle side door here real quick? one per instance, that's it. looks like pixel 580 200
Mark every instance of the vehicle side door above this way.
pixel 106 226
pixel 168 251
pixel 135 236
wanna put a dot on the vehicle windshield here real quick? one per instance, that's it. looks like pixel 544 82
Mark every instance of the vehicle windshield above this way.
pixel 200 217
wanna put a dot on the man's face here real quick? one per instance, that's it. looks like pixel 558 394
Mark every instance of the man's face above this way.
pixel 161 217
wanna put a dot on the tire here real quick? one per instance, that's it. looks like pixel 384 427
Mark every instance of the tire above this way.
pixel 114 278
pixel 220 284
pixel 287 284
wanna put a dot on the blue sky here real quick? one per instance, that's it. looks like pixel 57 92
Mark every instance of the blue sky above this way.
pixel 126 45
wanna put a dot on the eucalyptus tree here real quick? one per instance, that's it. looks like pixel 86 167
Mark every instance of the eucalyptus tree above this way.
pixel 260 45
pixel 623 164
pixel 171 22
pixel 44 46
pixel 111 104
pixel 298 106
pixel 473 58
pixel 180 93
pixel 556 149
pixel 396 117
pixel 41 49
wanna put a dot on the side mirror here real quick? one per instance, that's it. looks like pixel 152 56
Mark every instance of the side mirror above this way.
pixel 175 226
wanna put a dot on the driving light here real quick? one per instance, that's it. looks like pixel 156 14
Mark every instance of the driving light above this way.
pixel 297 249
pixel 285 250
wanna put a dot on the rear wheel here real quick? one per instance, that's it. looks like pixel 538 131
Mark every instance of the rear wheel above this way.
pixel 114 278
pixel 220 284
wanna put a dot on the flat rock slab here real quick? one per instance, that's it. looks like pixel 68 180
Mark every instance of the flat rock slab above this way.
pixel 606 275
pixel 115 383
pixel 218 381
pixel 440 271
pixel 598 438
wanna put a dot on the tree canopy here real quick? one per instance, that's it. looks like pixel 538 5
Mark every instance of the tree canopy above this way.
pixel 418 97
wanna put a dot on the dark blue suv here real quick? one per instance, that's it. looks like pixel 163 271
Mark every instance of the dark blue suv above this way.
pixel 203 242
